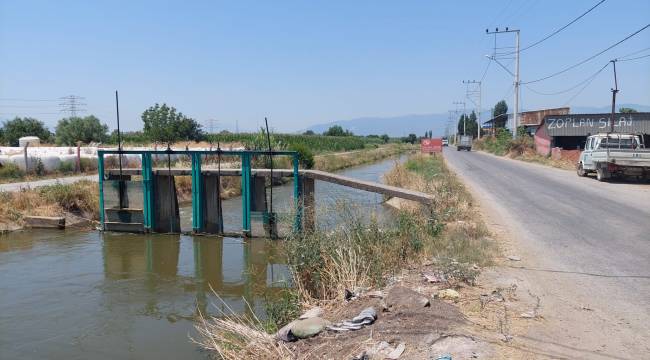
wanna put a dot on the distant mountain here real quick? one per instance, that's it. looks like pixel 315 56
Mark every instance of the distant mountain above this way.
pixel 607 108
pixel 393 126
pixel 419 123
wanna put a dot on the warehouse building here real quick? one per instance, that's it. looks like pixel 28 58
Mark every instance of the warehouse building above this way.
pixel 570 131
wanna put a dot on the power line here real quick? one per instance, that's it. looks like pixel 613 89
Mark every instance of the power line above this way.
pixel 486 69
pixel 634 58
pixel 560 29
pixel 634 53
pixel 588 79
pixel 21 99
pixel 587 59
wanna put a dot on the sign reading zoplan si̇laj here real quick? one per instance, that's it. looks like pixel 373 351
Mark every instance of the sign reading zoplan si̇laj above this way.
pixel 586 124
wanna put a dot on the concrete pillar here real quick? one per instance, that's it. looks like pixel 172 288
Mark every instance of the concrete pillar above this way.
pixel 308 201
pixel 166 214
pixel 212 212
pixel 258 193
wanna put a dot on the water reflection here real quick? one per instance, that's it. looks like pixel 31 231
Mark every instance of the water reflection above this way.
pixel 233 268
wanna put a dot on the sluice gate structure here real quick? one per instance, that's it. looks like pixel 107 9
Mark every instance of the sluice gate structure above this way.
pixel 145 199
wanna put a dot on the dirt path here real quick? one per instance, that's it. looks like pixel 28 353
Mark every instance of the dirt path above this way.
pixel 17 186
pixel 584 246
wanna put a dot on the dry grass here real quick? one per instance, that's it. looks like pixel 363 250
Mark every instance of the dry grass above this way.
pixel 80 198
pixel 234 336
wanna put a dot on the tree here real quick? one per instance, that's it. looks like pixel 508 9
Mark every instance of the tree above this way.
pixel 412 138
pixel 164 124
pixel 470 126
pixel 309 133
pixel 385 138
pixel 627 110
pixel 19 127
pixel 500 108
pixel 85 129
pixel 337 130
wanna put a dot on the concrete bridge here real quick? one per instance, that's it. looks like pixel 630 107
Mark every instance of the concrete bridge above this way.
pixel 160 212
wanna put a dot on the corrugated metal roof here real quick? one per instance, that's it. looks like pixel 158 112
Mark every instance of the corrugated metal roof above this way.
pixel 586 124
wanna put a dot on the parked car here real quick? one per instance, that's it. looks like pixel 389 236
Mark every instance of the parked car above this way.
pixel 615 155
pixel 465 143
pixel 445 142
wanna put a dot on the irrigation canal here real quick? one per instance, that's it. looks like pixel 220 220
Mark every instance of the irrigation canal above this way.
pixel 78 295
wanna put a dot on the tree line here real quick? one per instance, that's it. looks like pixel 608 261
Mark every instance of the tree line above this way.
pixel 162 124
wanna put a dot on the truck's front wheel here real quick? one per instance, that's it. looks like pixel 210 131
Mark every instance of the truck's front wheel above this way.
pixel 581 170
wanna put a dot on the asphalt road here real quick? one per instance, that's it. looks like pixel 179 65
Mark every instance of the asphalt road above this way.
pixel 585 249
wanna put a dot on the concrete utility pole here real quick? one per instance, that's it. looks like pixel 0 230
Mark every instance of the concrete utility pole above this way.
pixel 473 95
pixel 614 91
pixel 515 114
pixel 464 115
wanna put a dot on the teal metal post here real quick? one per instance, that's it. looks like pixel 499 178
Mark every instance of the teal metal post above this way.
pixel 297 225
pixel 246 192
pixel 100 170
pixel 197 193
pixel 147 191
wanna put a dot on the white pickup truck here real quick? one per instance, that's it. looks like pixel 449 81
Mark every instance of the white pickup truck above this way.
pixel 615 155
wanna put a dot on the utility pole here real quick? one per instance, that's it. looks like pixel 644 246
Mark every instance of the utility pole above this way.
pixel 473 95
pixel 464 115
pixel 614 91
pixel 515 115
pixel 72 105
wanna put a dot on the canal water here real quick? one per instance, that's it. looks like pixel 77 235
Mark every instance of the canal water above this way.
pixel 80 295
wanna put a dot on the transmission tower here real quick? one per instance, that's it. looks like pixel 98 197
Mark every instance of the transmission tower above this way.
pixel 72 105
pixel 473 94
pixel 211 125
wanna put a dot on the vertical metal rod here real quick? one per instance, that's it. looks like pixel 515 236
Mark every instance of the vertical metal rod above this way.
pixel 100 170
pixel 268 139
pixel 119 149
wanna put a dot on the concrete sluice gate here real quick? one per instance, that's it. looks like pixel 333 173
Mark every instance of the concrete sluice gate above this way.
pixel 147 200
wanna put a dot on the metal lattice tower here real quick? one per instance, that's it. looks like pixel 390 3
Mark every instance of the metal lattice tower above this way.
pixel 72 105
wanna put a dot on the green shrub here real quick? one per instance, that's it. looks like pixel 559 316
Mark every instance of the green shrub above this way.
pixel 305 156
pixel 282 309
pixel 88 164
pixel 10 171
pixel 66 167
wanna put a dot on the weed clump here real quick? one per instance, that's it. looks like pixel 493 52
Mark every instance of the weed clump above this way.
pixel 11 171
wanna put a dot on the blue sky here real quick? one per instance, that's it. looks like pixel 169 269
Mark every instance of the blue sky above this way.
pixel 304 62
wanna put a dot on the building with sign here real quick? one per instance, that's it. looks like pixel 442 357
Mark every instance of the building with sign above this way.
pixel 570 131
pixel 530 120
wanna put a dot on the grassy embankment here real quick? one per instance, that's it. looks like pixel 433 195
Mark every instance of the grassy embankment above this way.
pixel 522 148
pixel 358 254
pixel 78 200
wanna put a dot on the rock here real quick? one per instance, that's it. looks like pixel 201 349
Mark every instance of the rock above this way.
pixel 527 315
pixel 397 352
pixel 449 294
pixel 375 294
pixel 431 277
pixel 285 334
pixel 402 297
pixel 431 338
pixel 514 258
pixel 305 328
pixel 313 312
